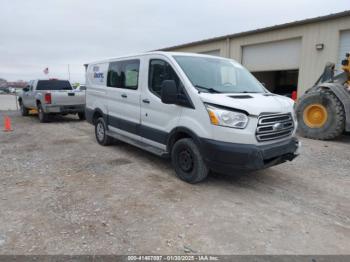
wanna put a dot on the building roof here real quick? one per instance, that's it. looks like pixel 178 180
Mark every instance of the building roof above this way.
pixel 265 29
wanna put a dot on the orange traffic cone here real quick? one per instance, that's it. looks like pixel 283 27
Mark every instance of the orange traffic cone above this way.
pixel 7 123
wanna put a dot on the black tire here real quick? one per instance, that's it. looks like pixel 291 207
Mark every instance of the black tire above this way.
pixel 24 110
pixel 43 117
pixel 188 162
pixel 101 132
pixel 335 123
pixel 81 115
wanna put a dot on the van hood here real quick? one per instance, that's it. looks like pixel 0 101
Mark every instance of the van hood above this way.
pixel 252 103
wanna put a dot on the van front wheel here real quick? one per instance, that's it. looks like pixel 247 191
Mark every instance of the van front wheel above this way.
pixel 188 162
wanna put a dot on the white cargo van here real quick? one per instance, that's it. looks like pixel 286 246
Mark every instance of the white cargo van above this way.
pixel 206 113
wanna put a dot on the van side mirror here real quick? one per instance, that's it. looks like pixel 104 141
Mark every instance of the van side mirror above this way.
pixel 169 94
pixel 26 89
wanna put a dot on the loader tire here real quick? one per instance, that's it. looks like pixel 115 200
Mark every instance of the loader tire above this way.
pixel 320 115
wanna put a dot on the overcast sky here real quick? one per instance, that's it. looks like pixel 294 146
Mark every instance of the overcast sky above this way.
pixel 37 34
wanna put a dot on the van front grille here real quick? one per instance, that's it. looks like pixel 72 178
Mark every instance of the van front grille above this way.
pixel 272 127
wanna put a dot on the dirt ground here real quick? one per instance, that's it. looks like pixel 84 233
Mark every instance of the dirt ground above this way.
pixel 62 193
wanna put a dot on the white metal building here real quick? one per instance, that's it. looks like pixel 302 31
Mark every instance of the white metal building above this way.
pixel 285 57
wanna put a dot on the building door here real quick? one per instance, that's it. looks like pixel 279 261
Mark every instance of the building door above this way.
pixel 276 64
pixel 344 46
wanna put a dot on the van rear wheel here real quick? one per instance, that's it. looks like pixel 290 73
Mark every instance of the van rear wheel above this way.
pixel 188 162
pixel 101 132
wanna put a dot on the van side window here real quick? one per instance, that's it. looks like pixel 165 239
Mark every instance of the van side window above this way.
pixel 131 71
pixel 124 74
pixel 159 70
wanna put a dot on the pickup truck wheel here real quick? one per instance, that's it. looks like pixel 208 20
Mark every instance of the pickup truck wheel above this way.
pixel 81 115
pixel 101 132
pixel 188 162
pixel 43 117
pixel 24 110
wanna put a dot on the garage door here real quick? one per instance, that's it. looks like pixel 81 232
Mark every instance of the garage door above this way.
pixel 281 55
pixel 344 46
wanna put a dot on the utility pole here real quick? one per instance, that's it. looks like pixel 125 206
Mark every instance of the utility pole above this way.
pixel 68 73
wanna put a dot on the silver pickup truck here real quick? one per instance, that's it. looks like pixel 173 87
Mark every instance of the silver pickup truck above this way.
pixel 52 97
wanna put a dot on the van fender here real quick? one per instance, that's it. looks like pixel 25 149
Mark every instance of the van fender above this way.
pixel 181 132
pixel 92 113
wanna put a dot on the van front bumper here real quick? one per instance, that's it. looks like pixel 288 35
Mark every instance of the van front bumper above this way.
pixel 225 157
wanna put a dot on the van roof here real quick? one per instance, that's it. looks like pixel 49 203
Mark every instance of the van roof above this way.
pixel 167 54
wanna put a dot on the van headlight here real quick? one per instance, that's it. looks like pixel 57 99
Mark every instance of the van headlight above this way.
pixel 228 118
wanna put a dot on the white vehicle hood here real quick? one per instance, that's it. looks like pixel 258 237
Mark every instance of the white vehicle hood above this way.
pixel 252 103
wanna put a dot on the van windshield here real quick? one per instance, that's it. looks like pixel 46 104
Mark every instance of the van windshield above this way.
pixel 53 85
pixel 215 75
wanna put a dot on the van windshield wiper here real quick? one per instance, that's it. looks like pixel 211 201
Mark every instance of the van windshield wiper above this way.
pixel 208 89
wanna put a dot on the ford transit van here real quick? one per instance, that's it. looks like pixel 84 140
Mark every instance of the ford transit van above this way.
pixel 206 113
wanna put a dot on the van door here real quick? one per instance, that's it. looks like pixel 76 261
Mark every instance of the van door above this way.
pixel 157 119
pixel 124 98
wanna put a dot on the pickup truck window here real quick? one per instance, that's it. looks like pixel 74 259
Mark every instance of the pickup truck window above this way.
pixel 53 85
pixel 31 85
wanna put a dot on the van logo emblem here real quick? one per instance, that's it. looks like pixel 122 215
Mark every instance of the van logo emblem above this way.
pixel 277 126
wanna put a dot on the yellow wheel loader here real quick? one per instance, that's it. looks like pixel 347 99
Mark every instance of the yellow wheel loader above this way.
pixel 323 112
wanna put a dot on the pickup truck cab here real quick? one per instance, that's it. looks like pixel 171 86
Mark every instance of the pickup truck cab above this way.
pixel 51 97
pixel 206 113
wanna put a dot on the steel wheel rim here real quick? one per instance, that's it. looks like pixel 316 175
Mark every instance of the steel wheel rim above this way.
pixel 185 159
pixel 100 131
pixel 315 115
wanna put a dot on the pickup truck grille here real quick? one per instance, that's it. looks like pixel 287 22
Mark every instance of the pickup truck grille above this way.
pixel 272 127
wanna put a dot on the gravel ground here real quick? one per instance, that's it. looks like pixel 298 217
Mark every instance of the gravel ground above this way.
pixel 62 193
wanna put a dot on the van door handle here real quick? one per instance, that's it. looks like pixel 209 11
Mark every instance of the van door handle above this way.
pixel 124 96
pixel 146 101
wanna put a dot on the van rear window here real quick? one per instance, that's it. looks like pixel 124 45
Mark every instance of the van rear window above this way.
pixel 53 85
